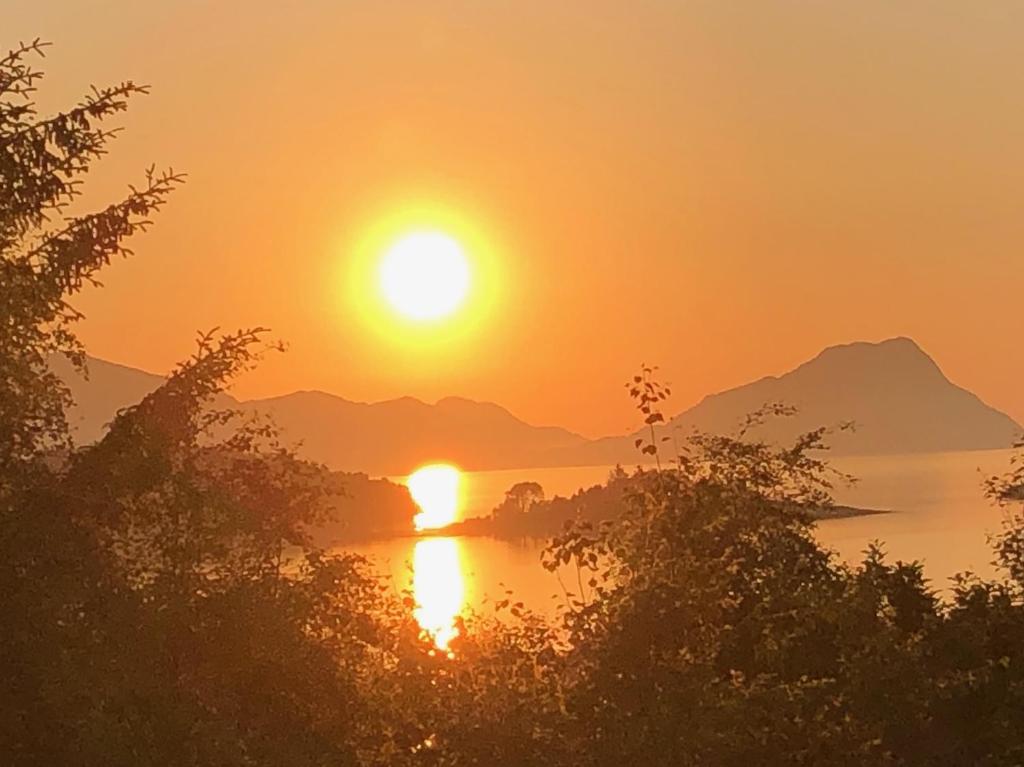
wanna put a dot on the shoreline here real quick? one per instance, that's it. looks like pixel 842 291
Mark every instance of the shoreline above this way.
pixel 479 527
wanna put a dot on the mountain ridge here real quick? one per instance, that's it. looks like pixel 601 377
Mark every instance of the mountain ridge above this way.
pixel 474 434
pixel 894 392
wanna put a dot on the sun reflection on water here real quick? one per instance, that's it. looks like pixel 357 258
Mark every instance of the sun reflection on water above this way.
pixel 436 489
pixel 439 588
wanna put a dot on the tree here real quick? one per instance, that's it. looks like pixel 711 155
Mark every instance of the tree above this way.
pixel 160 601
pixel 711 628
pixel 1008 491
pixel 50 566
pixel 43 261
pixel 518 501
pixel 698 638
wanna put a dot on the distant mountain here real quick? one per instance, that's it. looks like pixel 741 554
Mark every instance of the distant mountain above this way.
pixel 898 398
pixel 396 436
pixel 108 388
pixel 381 438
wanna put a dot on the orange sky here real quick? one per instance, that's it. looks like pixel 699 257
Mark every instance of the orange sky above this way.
pixel 719 188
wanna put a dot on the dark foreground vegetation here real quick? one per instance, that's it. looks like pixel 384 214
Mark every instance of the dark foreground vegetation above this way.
pixel 161 602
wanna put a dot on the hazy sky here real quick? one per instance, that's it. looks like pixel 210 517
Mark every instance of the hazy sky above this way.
pixel 721 188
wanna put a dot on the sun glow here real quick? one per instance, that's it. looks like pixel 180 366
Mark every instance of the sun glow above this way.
pixel 438 588
pixel 426 282
pixel 425 276
pixel 435 489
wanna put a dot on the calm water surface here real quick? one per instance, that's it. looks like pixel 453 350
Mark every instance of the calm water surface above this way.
pixel 940 517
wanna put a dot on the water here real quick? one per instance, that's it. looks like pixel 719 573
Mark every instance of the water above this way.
pixel 940 517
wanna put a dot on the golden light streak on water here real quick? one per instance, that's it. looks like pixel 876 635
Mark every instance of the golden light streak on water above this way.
pixel 439 588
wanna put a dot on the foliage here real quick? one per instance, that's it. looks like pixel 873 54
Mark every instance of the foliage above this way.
pixel 160 602
pixel 1008 491
pixel 1009 488
pixel 43 262
pixel 519 499
pixel 649 393
pixel 368 508
pixel 715 629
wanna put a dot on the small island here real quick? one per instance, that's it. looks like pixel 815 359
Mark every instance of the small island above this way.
pixel 525 511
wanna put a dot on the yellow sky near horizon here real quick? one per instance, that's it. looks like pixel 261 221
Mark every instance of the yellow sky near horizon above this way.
pixel 718 188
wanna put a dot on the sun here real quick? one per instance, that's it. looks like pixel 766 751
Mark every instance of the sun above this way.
pixel 425 276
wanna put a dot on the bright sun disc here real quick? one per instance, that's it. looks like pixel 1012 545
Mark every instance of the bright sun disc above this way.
pixel 425 275
pixel 435 489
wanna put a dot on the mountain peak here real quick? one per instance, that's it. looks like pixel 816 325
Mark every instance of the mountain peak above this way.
pixel 902 346
pixel 895 393
pixel 899 361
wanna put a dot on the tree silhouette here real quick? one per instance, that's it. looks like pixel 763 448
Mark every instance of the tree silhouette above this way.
pixel 518 501
pixel 45 258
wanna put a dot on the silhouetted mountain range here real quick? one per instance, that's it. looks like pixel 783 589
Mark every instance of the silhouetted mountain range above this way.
pixel 396 436
pixel 898 397
pixel 380 438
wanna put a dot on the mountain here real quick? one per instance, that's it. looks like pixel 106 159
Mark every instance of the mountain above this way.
pixel 108 388
pixel 396 436
pixel 899 399
pixel 380 438
pixel 896 395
